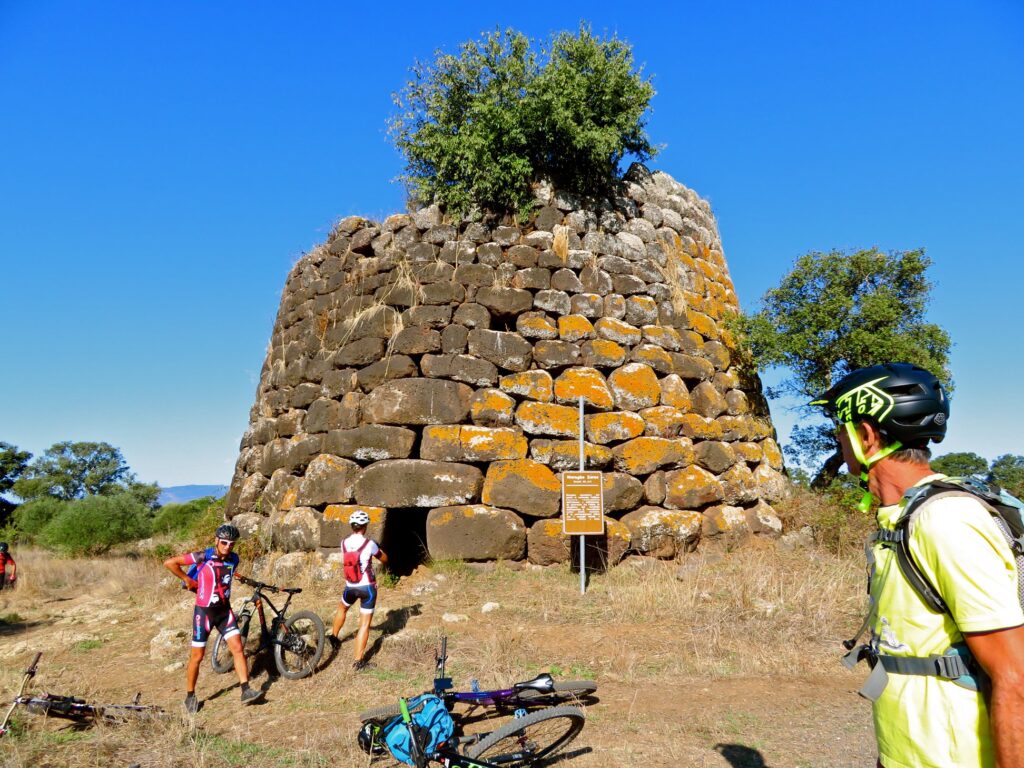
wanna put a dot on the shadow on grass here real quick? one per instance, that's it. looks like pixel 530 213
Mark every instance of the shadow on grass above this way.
pixel 394 622
pixel 740 756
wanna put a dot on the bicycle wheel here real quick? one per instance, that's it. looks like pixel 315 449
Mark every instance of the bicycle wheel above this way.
pixel 221 659
pixel 380 713
pixel 524 740
pixel 299 645
pixel 564 691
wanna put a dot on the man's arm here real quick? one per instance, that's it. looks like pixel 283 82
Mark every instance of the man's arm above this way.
pixel 173 564
pixel 381 555
pixel 1001 654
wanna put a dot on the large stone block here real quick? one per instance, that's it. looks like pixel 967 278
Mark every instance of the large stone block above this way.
pixel 249 494
pixel 418 483
pixel 418 401
pixel 328 480
pixel 644 455
pixel 691 488
pixel 604 428
pixel 548 419
pixel 663 532
pixel 563 455
pixel 525 486
pixel 505 349
pixel 634 386
pixel 475 532
pixel 505 302
pixel 585 383
pixel 714 456
pixel 546 544
pixel 280 493
pixel 492 408
pixel 297 530
pixel 762 520
pixel 334 526
pixel 468 443
pixel 371 442
pixel 620 491
pixel 725 519
pixel 533 385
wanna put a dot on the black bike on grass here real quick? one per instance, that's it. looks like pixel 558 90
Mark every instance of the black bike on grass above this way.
pixel 522 741
pixel 298 639
pixel 74 707
pixel 541 691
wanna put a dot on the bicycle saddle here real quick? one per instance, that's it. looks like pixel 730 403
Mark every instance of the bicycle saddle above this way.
pixel 542 683
pixel 291 590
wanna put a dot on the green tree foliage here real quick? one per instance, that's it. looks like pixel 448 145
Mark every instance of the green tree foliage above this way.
pixel 478 128
pixel 179 518
pixel 960 464
pixel 92 525
pixel 69 471
pixel 1008 471
pixel 836 312
pixel 33 516
pixel 12 465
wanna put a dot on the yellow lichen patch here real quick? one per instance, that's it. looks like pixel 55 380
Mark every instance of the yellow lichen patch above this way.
pixel 691 488
pixel 586 383
pixel 634 386
pixel 675 394
pixel 536 327
pixel 699 427
pixel 694 301
pixel 548 419
pixel 615 529
pixel 470 443
pixel 604 428
pixel 702 324
pixel 535 385
pixel 532 473
pixel 662 421
pixel 565 454
pixel 711 272
pixel 656 357
pixel 603 353
pixel 617 331
pixel 644 455
pixel 748 452
pixel 552 528
pixel 575 328
pixel 771 452
pixel 491 406
pixel 665 337
pixel 288 500
pixel 343 512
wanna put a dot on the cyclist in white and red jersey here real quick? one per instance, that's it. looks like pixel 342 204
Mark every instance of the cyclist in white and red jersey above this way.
pixel 209 576
pixel 360 584
pixel 7 559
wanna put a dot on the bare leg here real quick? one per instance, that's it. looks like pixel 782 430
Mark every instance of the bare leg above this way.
pixel 192 673
pixel 238 654
pixel 363 634
pixel 339 620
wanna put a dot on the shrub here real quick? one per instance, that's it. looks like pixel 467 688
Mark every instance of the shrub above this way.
pixel 178 518
pixel 201 529
pixel 832 515
pixel 478 128
pixel 94 524
pixel 32 517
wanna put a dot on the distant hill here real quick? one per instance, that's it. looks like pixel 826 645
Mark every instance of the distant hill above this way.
pixel 177 494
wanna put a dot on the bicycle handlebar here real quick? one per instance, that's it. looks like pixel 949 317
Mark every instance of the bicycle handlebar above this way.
pixel 259 585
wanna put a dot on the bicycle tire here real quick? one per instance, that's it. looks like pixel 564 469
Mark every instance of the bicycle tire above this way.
pixel 526 740
pixel 299 645
pixel 380 713
pixel 564 691
pixel 221 659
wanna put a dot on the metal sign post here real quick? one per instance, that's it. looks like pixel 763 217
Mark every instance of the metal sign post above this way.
pixel 582 505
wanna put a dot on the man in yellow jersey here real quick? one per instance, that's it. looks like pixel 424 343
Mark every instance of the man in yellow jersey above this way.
pixel 947 682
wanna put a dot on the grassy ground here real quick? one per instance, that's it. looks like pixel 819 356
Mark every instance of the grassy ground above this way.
pixel 720 659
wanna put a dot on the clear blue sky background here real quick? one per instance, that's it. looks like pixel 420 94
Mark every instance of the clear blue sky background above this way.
pixel 162 166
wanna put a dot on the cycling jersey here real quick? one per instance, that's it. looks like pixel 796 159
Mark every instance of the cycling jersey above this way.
pixel 214 576
pixel 5 558
pixel 352 544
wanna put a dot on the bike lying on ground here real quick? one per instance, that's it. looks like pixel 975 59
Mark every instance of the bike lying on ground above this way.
pixel 75 708
pixel 543 690
pixel 423 732
pixel 298 640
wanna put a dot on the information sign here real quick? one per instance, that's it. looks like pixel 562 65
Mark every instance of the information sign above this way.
pixel 582 503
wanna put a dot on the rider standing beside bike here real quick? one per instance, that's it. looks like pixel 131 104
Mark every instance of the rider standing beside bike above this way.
pixel 360 583
pixel 7 559
pixel 214 570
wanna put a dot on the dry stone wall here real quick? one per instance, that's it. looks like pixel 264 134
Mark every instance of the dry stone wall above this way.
pixel 422 367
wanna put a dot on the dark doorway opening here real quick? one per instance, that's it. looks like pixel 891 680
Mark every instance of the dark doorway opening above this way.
pixel 405 539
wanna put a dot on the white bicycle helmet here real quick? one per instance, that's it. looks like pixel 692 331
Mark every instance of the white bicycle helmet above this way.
pixel 359 517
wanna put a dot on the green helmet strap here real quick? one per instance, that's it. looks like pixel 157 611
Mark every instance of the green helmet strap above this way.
pixel 866 462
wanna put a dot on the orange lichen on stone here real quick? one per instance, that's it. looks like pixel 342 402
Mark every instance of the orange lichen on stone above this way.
pixel 552 528
pixel 654 356
pixel 604 428
pixel 700 428
pixel 492 406
pixel 586 383
pixel 691 488
pixel 288 500
pixel 663 336
pixel 675 394
pixel 644 455
pixel 603 353
pixel 343 512
pixel 634 386
pixel 662 421
pixel 535 385
pixel 575 328
pixel 548 419
pixel 565 454
pixel 702 324
pixel 536 326
pixel 748 452
pixel 771 452
pixel 618 331
pixel 470 443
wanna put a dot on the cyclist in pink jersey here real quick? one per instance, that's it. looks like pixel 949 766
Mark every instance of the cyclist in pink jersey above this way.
pixel 210 574
pixel 7 559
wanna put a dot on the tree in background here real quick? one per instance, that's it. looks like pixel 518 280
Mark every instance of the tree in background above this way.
pixel 68 471
pixel 836 312
pixel 12 465
pixel 1008 471
pixel 478 128
pixel 960 464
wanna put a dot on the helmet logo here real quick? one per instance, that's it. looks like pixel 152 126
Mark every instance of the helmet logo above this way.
pixel 865 400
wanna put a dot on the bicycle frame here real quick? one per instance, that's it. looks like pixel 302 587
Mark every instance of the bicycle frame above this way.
pixel 268 634
pixel 443 688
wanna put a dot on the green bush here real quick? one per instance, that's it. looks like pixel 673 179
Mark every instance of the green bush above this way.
pixel 200 531
pixel 94 524
pixel 478 128
pixel 32 517
pixel 178 518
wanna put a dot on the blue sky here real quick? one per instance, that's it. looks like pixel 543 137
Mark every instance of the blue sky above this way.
pixel 162 166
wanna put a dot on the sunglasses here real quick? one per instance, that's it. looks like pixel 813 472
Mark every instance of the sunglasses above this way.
pixel 226 541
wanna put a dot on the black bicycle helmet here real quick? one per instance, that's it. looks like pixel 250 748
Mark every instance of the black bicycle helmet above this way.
pixel 368 741
pixel 227 532
pixel 906 402
pixel 3 546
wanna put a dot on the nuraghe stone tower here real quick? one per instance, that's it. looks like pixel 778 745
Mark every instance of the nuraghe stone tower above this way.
pixel 429 372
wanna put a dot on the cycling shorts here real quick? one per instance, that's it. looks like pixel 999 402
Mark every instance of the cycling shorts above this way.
pixel 366 595
pixel 205 619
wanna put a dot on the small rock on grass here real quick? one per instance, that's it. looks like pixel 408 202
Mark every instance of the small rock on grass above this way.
pixel 175 666
pixel 488 607
pixel 452 618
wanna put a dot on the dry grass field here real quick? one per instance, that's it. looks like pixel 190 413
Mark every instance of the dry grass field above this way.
pixel 725 659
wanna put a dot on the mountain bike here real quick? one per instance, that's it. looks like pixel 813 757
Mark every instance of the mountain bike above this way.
pixel 298 640
pixel 526 739
pixel 74 707
pixel 543 690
